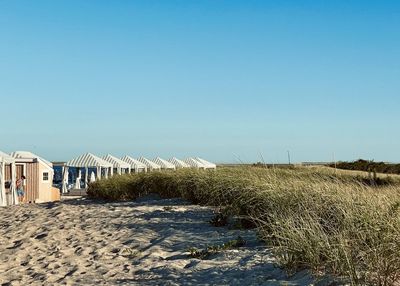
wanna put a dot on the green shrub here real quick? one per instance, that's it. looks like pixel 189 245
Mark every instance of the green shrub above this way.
pixel 369 166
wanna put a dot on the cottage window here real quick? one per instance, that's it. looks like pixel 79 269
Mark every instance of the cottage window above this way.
pixel 45 176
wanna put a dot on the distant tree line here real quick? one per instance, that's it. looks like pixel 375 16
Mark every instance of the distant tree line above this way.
pixel 369 166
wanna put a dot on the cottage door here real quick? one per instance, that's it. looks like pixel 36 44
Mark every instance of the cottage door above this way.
pixel 20 171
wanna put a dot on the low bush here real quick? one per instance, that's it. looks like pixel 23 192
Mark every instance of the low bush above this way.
pixel 369 166
pixel 314 219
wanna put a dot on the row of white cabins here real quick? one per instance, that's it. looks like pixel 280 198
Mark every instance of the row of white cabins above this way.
pixel 39 172
pixel 109 165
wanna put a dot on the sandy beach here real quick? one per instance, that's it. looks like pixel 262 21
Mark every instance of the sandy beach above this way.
pixel 79 241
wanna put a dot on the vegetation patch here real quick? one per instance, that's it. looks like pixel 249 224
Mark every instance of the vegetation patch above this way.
pixel 320 219
pixel 369 166
pixel 129 252
pixel 214 249
pixel 220 219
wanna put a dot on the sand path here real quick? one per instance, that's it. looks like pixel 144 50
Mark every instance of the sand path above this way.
pixel 83 242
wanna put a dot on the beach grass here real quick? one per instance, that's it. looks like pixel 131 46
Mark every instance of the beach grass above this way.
pixel 317 219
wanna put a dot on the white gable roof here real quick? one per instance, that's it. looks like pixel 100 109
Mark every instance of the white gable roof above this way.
pixel 178 163
pixel 208 164
pixel 164 163
pixel 88 160
pixel 148 163
pixel 117 163
pixel 194 163
pixel 135 164
pixel 5 158
pixel 30 155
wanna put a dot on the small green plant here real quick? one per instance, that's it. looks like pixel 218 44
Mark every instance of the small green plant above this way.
pixel 198 253
pixel 236 243
pixel 213 249
pixel 129 252
pixel 220 219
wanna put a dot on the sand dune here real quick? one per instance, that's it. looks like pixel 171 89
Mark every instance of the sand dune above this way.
pixel 133 243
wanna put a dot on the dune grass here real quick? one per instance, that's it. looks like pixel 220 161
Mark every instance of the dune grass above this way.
pixel 316 219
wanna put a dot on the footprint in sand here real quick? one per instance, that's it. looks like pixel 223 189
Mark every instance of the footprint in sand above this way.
pixel 16 244
pixel 78 250
pixel 41 235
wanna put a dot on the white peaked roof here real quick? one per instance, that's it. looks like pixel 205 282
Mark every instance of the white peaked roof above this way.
pixel 117 163
pixel 148 163
pixel 5 158
pixel 194 163
pixel 134 164
pixel 208 165
pixel 88 160
pixel 164 163
pixel 30 155
pixel 178 163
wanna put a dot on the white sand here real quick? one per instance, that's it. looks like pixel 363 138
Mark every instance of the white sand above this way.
pixel 133 243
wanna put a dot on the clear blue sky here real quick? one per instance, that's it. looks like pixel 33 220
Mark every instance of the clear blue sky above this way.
pixel 219 79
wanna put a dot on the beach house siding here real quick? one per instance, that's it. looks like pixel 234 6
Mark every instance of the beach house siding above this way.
pixel 46 192
pixel 7 177
pixel 32 184
pixel 31 172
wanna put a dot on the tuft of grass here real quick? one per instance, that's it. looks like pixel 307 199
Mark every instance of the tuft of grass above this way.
pixel 214 249
pixel 328 221
pixel 129 253
pixel 197 253
pixel 220 219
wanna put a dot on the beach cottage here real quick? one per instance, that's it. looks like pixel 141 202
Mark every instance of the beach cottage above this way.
pixel 164 164
pixel 120 167
pixel 178 163
pixel 8 194
pixel 39 173
pixel 151 166
pixel 193 163
pixel 88 162
pixel 207 164
pixel 136 166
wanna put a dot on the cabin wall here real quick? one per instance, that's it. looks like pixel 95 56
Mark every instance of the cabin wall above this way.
pixel 8 172
pixel 7 177
pixel 31 182
pixel 46 190
pixel 30 171
pixel 36 189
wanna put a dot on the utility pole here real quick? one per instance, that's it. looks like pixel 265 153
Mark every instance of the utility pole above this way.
pixel 262 160
pixel 334 161
pixel 288 154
